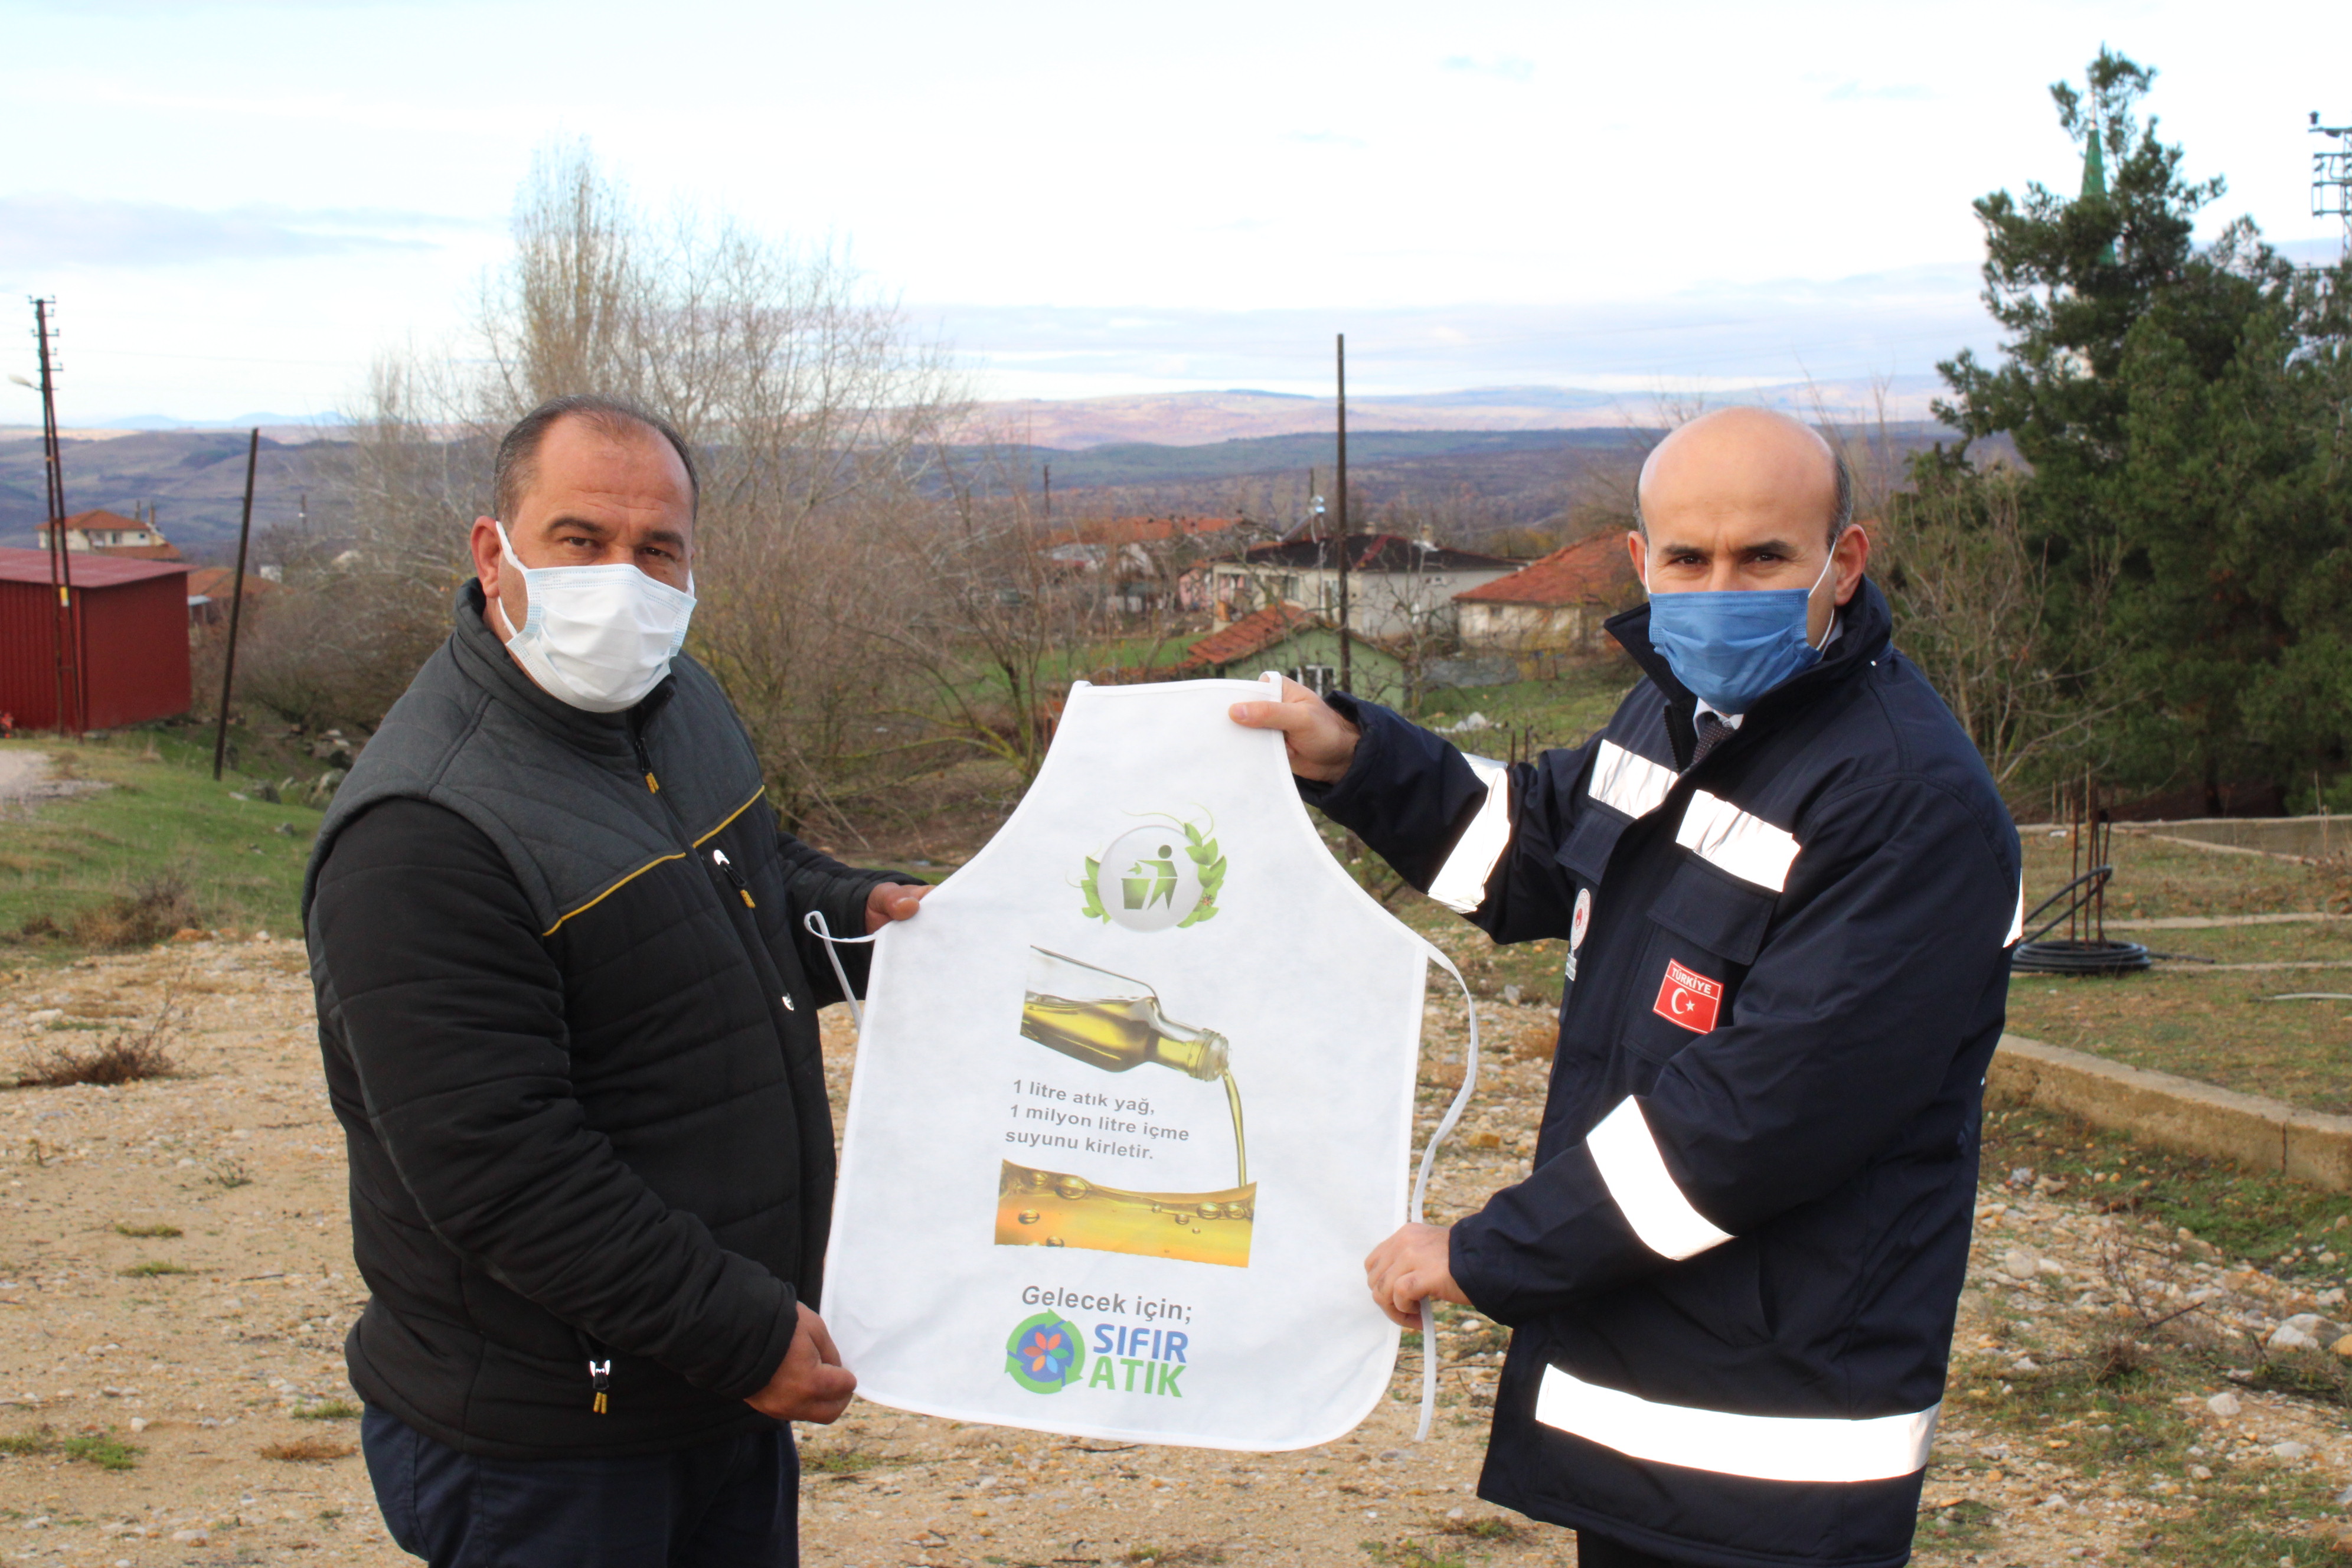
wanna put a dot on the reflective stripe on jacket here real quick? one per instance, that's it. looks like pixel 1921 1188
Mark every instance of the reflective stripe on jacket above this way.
pixel 1734 1268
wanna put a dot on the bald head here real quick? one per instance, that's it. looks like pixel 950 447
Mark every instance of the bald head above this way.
pixel 1745 460
pixel 1746 499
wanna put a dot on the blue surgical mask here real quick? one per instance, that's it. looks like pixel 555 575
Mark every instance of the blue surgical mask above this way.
pixel 1731 647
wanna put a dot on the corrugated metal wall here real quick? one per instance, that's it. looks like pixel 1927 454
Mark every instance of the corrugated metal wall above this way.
pixel 135 640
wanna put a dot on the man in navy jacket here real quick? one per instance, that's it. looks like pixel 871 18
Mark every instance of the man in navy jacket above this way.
pixel 1789 887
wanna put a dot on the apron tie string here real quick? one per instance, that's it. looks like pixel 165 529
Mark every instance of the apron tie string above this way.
pixel 817 927
pixel 1421 1191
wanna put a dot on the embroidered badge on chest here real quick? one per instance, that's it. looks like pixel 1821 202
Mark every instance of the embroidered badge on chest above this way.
pixel 1688 998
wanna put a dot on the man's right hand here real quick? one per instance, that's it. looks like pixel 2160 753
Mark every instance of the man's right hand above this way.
pixel 811 1385
pixel 1320 744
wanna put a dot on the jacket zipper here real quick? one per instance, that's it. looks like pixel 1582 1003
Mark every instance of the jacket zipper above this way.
pixel 726 869
pixel 600 1376
pixel 645 763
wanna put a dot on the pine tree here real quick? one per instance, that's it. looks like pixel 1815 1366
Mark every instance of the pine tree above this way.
pixel 2179 409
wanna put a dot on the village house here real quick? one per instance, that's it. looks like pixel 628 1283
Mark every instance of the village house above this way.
pixel 1302 646
pixel 1552 605
pixel 103 533
pixel 1397 587
pixel 1141 560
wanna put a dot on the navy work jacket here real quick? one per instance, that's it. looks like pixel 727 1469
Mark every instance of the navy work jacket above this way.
pixel 1733 1271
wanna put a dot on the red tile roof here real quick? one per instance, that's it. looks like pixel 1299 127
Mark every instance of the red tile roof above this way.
pixel 1253 633
pixel 1593 571
pixel 213 583
pixel 99 517
pixel 88 571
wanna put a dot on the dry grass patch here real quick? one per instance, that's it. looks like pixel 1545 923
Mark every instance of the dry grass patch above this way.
pixel 307 1450
pixel 125 1059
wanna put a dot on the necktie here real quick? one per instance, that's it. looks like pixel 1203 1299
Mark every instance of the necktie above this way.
pixel 1711 734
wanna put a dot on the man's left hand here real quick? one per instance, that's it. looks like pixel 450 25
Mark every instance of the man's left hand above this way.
pixel 892 901
pixel 1414 1263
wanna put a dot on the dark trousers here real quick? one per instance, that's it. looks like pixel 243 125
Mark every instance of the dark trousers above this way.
pixel 1600 1552
pixel 730 1504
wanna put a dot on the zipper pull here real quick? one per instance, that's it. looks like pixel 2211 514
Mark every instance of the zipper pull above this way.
pixel 742 891
pixel 645 763
pixel 599 1373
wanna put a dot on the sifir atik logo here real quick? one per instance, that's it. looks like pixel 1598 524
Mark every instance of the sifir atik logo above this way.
pixel 1047 1355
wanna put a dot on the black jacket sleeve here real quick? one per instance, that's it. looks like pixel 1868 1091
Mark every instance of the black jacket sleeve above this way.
pixel 1411 797
pixel 453 1012
pixel 1853 1013
pixel 814 880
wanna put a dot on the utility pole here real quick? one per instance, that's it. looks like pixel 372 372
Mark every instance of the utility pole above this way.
pixel 236 608
pixel 1346 641
pixel 69 665
pixel 1049 495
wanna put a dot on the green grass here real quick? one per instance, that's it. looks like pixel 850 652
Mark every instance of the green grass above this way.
pixel 1560 711
pixel 2281 1225
pixel 145 1232
pixel 2219 1029
pixel 844 1461
pixel 1411 1554
pixel 164 812
pixel 328 1410
pixel 2156 878
pixel 155 1267
pixel 90 1448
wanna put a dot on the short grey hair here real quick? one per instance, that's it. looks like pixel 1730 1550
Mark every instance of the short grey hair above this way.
pixel 518 459
pixel 1841 519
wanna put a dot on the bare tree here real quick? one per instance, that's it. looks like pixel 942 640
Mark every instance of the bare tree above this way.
pixel 813 411
pixel 1970 596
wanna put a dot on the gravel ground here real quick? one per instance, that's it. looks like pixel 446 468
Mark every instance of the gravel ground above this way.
pixel 203 1352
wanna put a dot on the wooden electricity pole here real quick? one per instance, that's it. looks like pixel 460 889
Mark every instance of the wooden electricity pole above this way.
pixel 1346 673
pixel 236 608
pixel 53 465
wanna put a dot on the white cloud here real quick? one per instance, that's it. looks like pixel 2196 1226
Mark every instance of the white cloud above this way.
pixel 48 229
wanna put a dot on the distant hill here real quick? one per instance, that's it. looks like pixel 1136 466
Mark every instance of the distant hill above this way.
pixel 194 478
pixel 1497 457
pixel 1194 419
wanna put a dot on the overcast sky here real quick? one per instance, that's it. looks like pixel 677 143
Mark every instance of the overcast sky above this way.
pixel 237 205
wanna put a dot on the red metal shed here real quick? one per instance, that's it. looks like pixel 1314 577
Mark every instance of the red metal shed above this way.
pixel 128 622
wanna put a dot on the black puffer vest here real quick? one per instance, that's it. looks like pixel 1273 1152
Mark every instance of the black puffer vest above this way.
pixel 668 904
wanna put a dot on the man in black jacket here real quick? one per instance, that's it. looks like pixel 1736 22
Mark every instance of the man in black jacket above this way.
pixel 1789 887
pixel 567 1008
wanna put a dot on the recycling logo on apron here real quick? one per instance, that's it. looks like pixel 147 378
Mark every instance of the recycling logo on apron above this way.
pixel 1133 1099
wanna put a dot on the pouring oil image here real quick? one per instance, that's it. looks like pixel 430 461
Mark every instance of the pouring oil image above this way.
pixel 1114 1023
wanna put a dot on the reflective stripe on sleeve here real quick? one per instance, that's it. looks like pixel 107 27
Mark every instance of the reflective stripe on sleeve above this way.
pixel 1749 848
pixel 1765 1447
pixel 1461 883
pixel 1629 781
pixel 2017 921
pixel 1636 1176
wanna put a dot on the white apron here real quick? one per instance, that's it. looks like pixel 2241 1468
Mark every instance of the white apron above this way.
pixel 1133 1101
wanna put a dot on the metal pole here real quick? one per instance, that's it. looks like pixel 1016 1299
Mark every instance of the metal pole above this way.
pixel 1347 671
pixel 236 608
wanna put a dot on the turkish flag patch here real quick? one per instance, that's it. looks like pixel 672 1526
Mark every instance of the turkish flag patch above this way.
pixel 1687 998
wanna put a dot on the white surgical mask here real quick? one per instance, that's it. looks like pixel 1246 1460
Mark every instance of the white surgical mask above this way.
pixel 598 638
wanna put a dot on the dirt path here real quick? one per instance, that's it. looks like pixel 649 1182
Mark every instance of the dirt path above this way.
pixel 205 1368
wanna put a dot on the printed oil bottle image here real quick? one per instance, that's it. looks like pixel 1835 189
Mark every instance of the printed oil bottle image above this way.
pixel 1114 1023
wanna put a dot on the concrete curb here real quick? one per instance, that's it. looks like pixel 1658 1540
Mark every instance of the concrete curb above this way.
pixel 2266 1135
